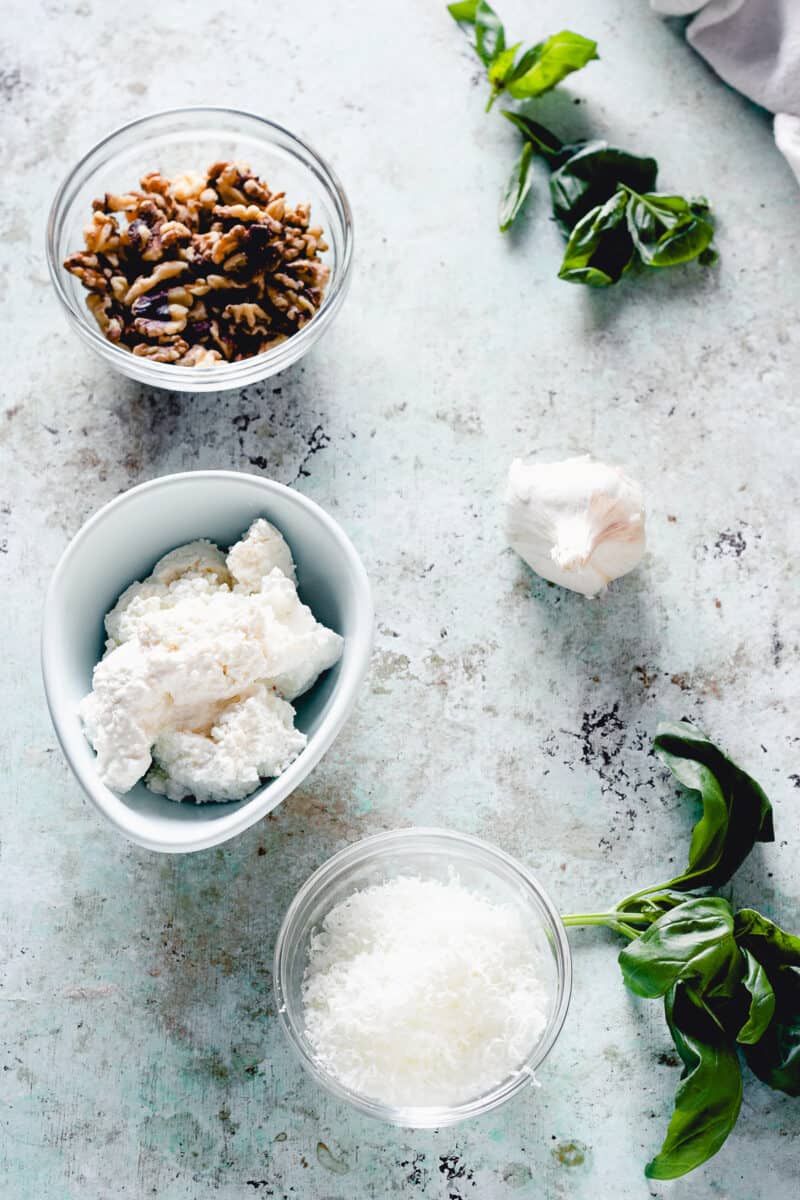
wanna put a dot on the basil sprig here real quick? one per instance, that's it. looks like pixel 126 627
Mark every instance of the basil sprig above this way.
pixel 537 69
pixel 523 74
pixel 730 980
pixel 603 198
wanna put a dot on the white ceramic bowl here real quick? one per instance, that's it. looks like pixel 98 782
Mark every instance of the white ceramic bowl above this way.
pixel 122 542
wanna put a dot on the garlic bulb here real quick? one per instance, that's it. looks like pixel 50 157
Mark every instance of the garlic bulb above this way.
pixel 578 523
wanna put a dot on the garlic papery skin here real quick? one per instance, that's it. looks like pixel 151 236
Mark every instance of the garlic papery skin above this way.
pixel 577 523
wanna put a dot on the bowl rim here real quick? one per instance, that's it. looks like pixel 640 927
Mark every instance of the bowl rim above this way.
pixel 227 374
pixel 272 792
pixel 408 1116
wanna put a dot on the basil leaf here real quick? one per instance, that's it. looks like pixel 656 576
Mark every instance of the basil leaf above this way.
pixel 499 70
pixel 517 188
pixel 482 26
pixel 464 14
pixel 501 65
pixel 600 248
pixel 762 1001
pixel 544 142
pixel 709 1097
pixel 775 1058
pixel 770 944
pixel 547 63
pixel 736 812
pixel 592 175
pixel 668 230
pixel 490 36
pixel 693 941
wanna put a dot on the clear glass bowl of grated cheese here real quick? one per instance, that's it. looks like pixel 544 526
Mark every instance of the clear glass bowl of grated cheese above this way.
pixel 427 854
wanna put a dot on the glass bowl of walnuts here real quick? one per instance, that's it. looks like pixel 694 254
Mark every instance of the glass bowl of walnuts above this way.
pixel 200 249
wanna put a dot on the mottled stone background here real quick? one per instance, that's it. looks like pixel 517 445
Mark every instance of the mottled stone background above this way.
pixel 139 1047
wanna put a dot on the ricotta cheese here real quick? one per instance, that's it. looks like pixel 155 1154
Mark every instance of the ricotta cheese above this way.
pixel 202 660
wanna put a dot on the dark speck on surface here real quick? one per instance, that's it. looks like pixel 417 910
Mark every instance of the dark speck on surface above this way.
pixel 11 83
pixel 777 645
pixel 730 543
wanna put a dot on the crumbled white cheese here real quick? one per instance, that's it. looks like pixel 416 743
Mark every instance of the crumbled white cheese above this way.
pixel 256 555
pixel 201 659
pixel 419 992
pixel 253 739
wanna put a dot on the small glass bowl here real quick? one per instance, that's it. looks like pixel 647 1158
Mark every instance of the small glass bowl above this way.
pixel 172 142
pixel 429 854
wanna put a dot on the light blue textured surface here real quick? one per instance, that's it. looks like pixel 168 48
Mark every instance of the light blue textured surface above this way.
pixel 140 1052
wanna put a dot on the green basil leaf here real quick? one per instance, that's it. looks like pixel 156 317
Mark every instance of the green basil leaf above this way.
pixel 499 70
pixel 501 65
pixel 668 230
pixel 490 36
pixel 770 944
pixel 543 141
pixel 593 175
pixel 517 188
pixel 464 13
pixel 709 1097
pixel 547 63
pixel 482 26
pixel 736 812
pixel 775 1058
pixel 600 249
pixel 528 60
pixel 692 942
pixel 762 1001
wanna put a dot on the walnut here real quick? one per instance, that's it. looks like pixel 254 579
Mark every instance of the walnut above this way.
pixel 102 233
pixel 228 243
pixel 144 283
pixel 103 310
pixel 119 287
pixel 160 331
pixel 251 315
pixel 236 262
pixel 238 212
pixel 268 343
pixel 201 268
pixel 311 271
pixel 153 182
pixel 188 186
pixel 110 203
pixel 166 354
pixel 85 267
pixel 200 356
pixel 256 190
pixel 229 178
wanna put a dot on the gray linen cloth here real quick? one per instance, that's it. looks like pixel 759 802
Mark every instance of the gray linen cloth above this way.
pixel 754 45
